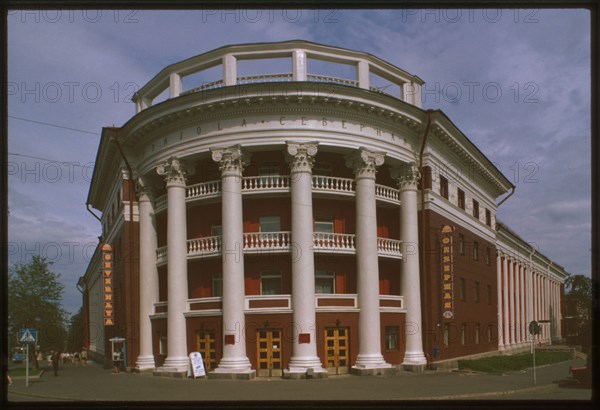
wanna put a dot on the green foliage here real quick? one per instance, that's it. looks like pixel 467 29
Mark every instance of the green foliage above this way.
pixel 578 290
pixel 34 301
pixel 501 364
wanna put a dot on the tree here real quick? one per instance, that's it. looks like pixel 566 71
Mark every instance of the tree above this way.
pixel 34 301
pixel 578 296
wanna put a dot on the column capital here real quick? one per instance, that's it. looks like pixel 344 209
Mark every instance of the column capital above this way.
pixel 231 160
pixel 175 171
pixel 365 162
pixel 144 189
pixel 407 176
pixel 301 156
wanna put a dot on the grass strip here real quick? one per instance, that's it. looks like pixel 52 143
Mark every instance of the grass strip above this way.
pixel 505 363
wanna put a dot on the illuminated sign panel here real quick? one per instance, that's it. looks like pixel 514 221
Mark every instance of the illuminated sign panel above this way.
pixel 107 268
pixel 447 272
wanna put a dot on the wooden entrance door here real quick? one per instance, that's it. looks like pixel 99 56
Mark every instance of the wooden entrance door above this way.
pixel 205 344
pixel 268 353
pixel 336 350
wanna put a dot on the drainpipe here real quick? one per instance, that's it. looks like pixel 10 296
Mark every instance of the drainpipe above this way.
pixel 508 196
pixel 92 212
pixel 424 232
pixel 132 199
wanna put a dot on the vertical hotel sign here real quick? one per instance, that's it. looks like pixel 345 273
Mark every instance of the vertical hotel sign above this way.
pixel 107 284
pixel 447 272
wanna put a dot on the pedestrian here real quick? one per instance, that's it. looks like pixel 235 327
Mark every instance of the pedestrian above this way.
pixel 55 361
pixel 84 356
pixel 117 361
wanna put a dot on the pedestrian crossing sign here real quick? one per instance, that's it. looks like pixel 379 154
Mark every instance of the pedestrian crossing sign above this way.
pixel 27 336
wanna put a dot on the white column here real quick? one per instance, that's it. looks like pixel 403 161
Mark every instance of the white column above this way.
pixel 499 290
pixel 304 355
pixel 229 63
pixel 511 302
pixel 528 302
pixel 175 86
pixel 362 74
pixel 148 282
pixel 175 172
pixel 517 304
pixel 231 162
pixel 408 179
pixel 299 65
pixel 523 282
pixel 505 288
pixel 364 164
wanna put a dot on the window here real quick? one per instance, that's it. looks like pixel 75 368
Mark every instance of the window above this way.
pixel 476 292
pixel 462 289
pixel 477 330
pixel 391 338
pixel 324 225
pixel 268 170
pixel 461 244
pixel 475 251
pixel 488 217
pixel 162 343
pixel 490 328
pixel 487 256
pixel 217 285
pixel 463 334
pixel 324 169
pixel 269 224
pixel 270 283
pixel 446 333
pixel 216 230
pixel 324 281
pixel 476 209
pixel 489 294
pixel 443 187
pixel 461 199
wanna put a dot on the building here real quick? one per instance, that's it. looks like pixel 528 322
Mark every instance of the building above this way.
pixel 303 224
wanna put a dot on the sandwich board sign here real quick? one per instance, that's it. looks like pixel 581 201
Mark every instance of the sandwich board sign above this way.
pixel 28 336
pixel 197 365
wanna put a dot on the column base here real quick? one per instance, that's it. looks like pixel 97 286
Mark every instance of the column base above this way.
pixel 145 364
pixel 305 373
pixel 384 369
pixel 415 368
pixel 302 364
pixel 174 367
pixel 414 359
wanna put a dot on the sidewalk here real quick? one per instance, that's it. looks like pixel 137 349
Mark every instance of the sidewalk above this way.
pixel 93 383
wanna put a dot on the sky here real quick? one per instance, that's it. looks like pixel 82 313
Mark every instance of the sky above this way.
pixel 516 82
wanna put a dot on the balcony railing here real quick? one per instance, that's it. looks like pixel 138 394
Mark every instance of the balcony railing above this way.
pixel 389 247
pixel 387 194
pixel 338 242
pixel 322 183
pixel 271 241
pixel 266 78
pixel 277 183
pixel 256 242
pixel 281 183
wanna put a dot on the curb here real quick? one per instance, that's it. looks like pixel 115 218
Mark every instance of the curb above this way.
pixel 482 395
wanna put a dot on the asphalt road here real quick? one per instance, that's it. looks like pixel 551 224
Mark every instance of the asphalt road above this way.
pixel 92 383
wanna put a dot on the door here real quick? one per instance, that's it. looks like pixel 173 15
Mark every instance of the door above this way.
pixel 336 350
pixel 268 353
pixel 205 343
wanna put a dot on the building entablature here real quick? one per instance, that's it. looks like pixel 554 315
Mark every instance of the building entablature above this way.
pixel 513 248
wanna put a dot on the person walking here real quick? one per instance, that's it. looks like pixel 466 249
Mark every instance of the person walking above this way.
pixel 84 356
pixel 55 361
